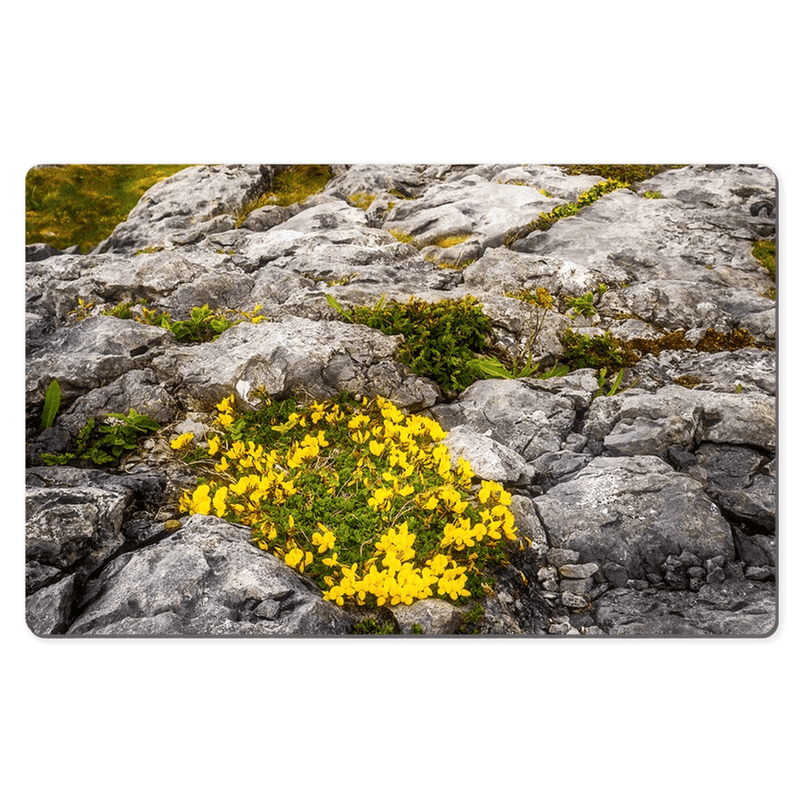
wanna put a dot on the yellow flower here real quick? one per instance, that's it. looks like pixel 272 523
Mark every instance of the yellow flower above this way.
pixel 213 445
pixel 219 500
pixel 451 499
pixel 377 448
pixel 491 490
pixel 181 441
pixel 226 404
pixel 199 503
pixel 325 539
pixel 381 499
pixel 297 559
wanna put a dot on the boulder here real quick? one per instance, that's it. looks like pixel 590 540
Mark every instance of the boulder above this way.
pixel 633 511
pixel 317 357
pixel 187 206
pixel 205 579
pixel 731 609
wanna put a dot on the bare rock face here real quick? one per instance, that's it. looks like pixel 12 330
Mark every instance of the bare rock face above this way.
pixel 646 509
pixel 207 578
pixel 633 512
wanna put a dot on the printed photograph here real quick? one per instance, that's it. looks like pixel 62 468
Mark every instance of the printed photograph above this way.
pixel 443 400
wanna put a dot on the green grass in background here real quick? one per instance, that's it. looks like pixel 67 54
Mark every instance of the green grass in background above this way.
pixel 81 204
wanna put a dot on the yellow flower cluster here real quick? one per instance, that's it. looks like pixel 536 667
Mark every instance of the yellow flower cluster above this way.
pixel 401 522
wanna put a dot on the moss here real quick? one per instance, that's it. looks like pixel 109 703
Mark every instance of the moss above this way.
pixel 451 241
pixel 764 252
pixel 626 173
pixel 361 200
pixel 689 381
pixel 293 185
pixel 405 238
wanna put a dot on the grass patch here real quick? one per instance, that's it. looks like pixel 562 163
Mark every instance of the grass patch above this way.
pixel 81 204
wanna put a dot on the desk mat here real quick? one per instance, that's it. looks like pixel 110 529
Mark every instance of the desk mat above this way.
pixel 443 400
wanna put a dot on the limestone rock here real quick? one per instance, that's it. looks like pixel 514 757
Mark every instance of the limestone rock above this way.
pixel 527 420
pixel 318 357
pixel 633 511
pixel 185 206
pixel 206 579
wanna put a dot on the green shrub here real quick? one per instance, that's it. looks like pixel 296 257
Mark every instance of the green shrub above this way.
pixel 107 443
pixel 595 352
pixel 440 339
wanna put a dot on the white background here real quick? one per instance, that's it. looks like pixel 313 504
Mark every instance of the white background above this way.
pixel 505 82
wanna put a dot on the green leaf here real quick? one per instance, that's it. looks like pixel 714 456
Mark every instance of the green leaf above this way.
pixel 52 402
pixel 490 367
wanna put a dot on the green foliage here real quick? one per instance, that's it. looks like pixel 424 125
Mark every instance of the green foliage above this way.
pixel 583 306
pixel 653 196
pixel 624 173
pixel 122 310
pixel 764 252
pixel 372 627
pixel 601 381
pixel 492 367
pixel 471 620
pixel 204 324
pixel 546 220
pixel 595 352
pixel 52 402
pixel 81 204
pixel 359 496
pixel 107 443
pixel 440 339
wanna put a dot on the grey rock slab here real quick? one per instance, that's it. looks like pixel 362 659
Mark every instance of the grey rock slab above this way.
pixel 489 459
pixel 333 213
pixel 749 368
pixel 403 180
pixel 205 579
pixel 739 484
pixel 665 238
pixel 319 357
pixel 141 389
pixel 91 353
pixel 633 512
pixel 733 608
pixel 68 527
pixel 639 423
pixel 184 205
pixel 501 269
pixel 468 205
pixel 431 616
pixel 527 420
pixel 48 610
pixel 553 180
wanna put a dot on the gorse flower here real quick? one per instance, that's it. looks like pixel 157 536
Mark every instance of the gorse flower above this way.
pixel 365 499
